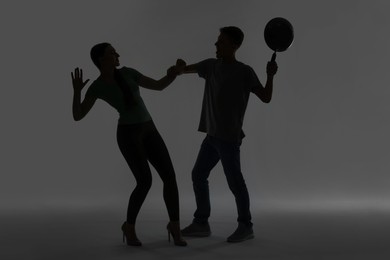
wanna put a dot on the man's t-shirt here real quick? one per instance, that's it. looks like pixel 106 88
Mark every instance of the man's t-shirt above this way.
pixel 112 94
pixel 225 99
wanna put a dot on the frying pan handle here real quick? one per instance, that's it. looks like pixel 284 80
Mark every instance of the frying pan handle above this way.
pixel 273 57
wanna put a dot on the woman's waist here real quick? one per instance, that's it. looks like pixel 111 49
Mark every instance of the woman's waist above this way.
pixel 148 122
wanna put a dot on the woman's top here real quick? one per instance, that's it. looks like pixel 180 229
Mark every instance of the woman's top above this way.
pixel 113 95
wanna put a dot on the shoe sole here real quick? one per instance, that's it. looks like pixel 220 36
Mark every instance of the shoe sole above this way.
pixel 241 240
pixel 197 234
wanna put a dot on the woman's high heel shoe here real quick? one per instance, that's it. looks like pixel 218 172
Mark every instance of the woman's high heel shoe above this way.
pixel 174 230
pixel 129 234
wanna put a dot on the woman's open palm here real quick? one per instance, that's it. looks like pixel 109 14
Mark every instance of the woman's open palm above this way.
pixel 77 79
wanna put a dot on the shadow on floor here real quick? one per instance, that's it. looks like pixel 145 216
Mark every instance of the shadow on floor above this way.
pixel 95 234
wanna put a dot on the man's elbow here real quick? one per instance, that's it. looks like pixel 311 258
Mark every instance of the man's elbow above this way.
pixel 157 88
pixel 266 99
pixel 77 117
pixel 161 88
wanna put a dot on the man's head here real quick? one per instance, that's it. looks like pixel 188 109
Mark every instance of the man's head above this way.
pixel 229 40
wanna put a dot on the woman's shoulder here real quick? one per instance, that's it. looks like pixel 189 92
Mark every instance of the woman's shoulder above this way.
pixel 95 88
pixel 97 83
pixel 128 70
pixel 133 73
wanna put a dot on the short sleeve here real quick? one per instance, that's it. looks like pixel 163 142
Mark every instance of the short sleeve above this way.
pixel 204 67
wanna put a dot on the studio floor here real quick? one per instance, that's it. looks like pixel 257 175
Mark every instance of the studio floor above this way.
pixel 94 233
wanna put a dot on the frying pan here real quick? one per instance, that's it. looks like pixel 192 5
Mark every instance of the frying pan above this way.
pixel 279 35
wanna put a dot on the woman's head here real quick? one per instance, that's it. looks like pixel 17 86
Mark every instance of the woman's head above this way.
pixel 103 54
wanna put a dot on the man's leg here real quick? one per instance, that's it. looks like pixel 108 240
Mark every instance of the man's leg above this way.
pixel 207 159
pixel 230 159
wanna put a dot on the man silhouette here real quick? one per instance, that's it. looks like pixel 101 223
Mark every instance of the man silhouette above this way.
pixel 228 85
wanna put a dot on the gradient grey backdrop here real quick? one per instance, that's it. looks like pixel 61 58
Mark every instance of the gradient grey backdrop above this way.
pixel 316 159
pixel 323 139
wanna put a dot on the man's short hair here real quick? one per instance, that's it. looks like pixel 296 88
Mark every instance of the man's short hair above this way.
pixel 234 33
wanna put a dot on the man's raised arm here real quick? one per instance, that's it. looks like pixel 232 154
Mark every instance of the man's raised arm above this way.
pixel 184 68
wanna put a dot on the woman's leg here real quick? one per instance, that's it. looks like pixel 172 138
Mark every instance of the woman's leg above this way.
pixel 158 156
pixel 130 144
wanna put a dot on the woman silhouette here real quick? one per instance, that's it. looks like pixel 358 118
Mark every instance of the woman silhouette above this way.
pixel 137 136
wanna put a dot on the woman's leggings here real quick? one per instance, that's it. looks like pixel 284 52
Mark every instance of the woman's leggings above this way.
pixel 140 144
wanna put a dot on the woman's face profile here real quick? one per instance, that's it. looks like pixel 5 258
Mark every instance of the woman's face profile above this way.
pixel 110 57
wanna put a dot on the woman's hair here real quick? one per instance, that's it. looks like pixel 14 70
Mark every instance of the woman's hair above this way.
pixel 96 53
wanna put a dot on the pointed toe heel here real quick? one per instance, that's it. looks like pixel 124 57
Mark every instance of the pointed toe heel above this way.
pixel 174 231
pixel 129 235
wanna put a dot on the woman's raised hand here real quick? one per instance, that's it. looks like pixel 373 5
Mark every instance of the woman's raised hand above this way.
pixel 77 80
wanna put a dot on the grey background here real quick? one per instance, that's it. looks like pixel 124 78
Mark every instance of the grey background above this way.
pixel 323 137
pixel 320 146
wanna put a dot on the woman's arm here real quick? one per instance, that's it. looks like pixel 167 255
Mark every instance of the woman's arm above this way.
pixel 161 84
pixel 164 82
pixel 80 109
pixel 180 68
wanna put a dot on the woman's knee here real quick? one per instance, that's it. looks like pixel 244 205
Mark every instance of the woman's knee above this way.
pixel 169 180
pixel 144 183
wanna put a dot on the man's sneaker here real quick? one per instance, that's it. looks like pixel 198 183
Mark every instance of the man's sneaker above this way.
pixel 242 233
pixel 197 230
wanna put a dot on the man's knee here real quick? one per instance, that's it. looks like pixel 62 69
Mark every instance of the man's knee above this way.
pixel 195 174
pixel 237 184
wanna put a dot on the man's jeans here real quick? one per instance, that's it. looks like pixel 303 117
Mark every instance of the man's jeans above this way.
pixel 211 151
